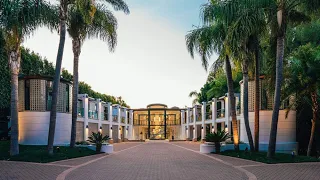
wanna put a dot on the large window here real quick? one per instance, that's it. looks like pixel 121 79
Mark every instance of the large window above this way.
pixel 27 95
pixel 49 94
pixel 67 98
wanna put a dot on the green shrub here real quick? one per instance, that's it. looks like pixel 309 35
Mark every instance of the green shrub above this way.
pixel 217 138
pixel 98 139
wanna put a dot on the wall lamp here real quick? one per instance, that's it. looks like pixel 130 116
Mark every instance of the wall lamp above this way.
pixel 201 127
pixel 212 127
pixel 127 128
pixel 87 126
pixel 100 127
pixel 226 126
pixel 119 128
pixel 111 128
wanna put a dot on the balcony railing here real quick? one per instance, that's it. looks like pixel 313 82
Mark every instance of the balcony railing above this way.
pixel 220 113
pixel 208 115
pixel 93 115
pixel 80 112
pixel 105 116
pixel 122 120
pixel 115 118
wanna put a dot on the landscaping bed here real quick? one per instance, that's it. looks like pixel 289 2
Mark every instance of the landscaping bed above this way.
pixel 39 153
pixel 262 157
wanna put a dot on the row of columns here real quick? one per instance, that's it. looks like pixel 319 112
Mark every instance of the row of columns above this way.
pixel 128 125
pixel 189 111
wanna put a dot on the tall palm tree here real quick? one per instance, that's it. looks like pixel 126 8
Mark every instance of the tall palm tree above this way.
pixel 19 19
pixel 63 14
pixel 56 80
pixel 279 14
pixel 305 65
pixel 212 37
pixel 102 26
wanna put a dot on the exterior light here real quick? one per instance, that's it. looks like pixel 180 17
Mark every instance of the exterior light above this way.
pixel 100 127
pixel 201 127
pixel 226 126
pixel 193 128
pixel 186 128
pixel 212 127
pixel 87 126
pixel 127 128
pixel 111 128
pixel 119 128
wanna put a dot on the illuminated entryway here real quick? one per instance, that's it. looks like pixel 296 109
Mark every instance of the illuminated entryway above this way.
pixel 157 122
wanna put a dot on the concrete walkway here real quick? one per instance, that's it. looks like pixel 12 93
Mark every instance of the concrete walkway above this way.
pixel 157 160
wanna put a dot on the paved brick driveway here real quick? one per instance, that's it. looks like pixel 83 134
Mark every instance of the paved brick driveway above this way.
pixel 157 161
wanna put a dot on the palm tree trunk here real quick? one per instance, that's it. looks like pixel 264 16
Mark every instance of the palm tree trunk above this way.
pixel 315 108
pixel 56 81
pixel 276 106
pixel 232 104
pixel 245 102
pixel 14 61
pixel 76 47
pixel 257 99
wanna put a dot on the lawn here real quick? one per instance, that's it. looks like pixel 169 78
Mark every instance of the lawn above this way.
pixel 39 153
pixel 262 157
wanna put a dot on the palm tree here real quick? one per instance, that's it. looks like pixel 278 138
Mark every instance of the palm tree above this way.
pixel 212 37
pixel 217 138
pixel 19 19
pixel 102 26
pixel 98 139
pixel 279 14
pixel 196 97
pixel 63 8
pixel 305 65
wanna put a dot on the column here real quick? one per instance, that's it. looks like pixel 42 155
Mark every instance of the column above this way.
pixel 194 123
pixel 214 115
pixel 165 124
pixel 126 125
pixel 227 115
pixel 99 108
pixel 130 124
pixel 109 107
pixel 119 121
pixel 203 118
pixel 85 101
pixel 187 127
pixel 149 124
pixel 183 131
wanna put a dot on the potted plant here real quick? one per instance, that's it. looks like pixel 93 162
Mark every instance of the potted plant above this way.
pixel 98 139
pixel 217 138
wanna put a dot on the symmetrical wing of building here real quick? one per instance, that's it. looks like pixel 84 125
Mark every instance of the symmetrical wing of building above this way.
pixel 156 121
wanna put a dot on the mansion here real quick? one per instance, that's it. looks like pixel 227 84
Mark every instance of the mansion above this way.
pixel 155 122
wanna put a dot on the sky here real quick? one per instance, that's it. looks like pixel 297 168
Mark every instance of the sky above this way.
pixel 150 64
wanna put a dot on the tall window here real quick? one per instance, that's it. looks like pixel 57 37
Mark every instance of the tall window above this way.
pixel 67 98
pixel 27 95
pixel 49 95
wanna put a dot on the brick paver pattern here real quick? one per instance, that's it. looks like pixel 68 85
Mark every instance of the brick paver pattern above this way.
pixel 156 161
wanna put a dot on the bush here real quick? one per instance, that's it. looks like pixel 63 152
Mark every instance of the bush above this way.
pixel 98 139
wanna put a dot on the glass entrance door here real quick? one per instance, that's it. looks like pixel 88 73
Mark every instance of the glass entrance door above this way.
pixel 157 132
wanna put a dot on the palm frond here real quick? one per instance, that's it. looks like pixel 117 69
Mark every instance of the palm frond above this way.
pixel 118 5
pixel 104 27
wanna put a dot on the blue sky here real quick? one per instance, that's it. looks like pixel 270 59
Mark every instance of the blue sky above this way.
pixel 150 64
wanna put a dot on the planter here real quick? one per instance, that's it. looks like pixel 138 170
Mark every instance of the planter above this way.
pixel 207 148
pixel 106 148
